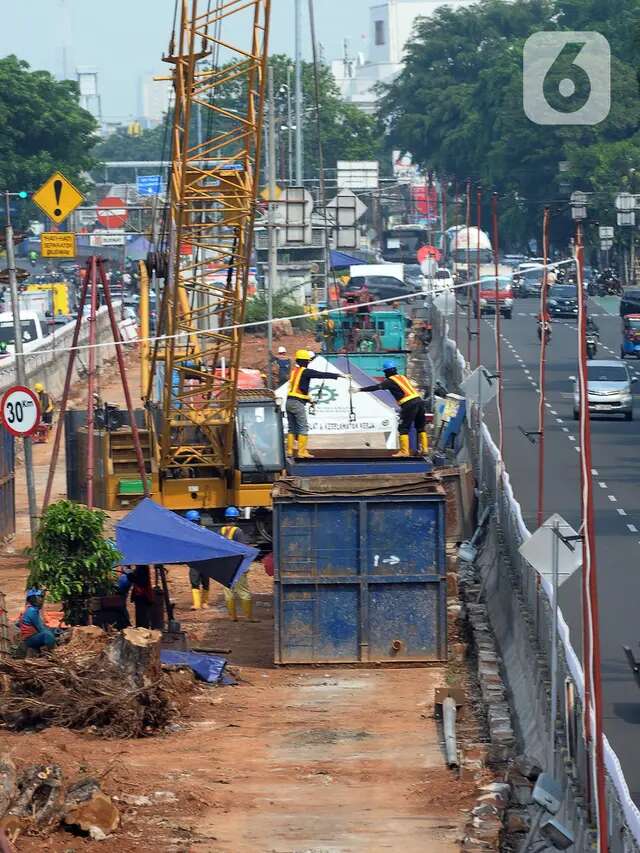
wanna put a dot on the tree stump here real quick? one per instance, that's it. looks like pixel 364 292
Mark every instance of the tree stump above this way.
pixel 136 652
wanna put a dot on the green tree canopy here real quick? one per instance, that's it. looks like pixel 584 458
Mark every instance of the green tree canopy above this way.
pixel 458 107
pixel 43 127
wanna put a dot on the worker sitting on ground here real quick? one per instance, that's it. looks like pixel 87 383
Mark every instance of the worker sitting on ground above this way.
pixel 46 403
pixel 199 581
pixel 240 592
pixel 412 407
pixel 33 631
pixel 297 399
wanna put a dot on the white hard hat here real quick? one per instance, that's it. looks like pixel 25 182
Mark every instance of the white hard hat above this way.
pixel 312 355
pixel 282 350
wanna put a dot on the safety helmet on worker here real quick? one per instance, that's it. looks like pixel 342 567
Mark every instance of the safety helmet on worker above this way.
pixel 390 366
pixel 34 592
pixel 303 355
pixel 232 512
pixel 282 350
pixel 38 387
pixel 193 515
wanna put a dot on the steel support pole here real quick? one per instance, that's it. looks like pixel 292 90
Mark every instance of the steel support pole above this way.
pixel 478 305
pixel 21 370
pixel 469 288
pixel 543 367
pixel 298 95
pixel 553 712
pixel 273 233
pixel 93 284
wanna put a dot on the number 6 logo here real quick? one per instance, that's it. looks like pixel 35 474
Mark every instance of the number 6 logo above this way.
pixel 20 409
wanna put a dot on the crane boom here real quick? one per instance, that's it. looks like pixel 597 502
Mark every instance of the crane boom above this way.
pixel 212 202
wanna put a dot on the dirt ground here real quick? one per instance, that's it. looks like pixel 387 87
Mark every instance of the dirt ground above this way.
pixel 320 760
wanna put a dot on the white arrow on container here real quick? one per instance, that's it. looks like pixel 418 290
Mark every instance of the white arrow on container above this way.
pixel 392 560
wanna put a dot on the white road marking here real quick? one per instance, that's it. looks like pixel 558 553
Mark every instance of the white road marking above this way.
pixel 602 485
pixel 577 449
pixel 594 472
pixel 621 511
pixel 559 420
pixel 553 412
pixel 572 438
pixel 565 429
pixel 613 499
pixel 632 528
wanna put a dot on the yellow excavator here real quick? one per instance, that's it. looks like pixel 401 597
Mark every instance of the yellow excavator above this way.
pixel 207 443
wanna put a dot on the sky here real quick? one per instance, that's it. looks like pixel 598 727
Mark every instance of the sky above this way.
pixel 124 39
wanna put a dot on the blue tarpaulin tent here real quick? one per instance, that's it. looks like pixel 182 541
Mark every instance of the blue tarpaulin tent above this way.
pixel 151 534
pixel 340 260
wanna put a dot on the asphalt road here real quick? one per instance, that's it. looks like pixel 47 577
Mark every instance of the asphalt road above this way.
pixel 616 472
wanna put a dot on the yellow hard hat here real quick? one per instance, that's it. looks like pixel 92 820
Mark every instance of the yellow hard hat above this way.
pixel 303 355
pixel 38 387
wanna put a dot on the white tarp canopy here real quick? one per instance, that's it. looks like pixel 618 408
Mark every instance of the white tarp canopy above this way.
pixel 332 408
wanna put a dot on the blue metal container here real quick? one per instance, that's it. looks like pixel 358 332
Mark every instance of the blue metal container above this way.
pixel 359 578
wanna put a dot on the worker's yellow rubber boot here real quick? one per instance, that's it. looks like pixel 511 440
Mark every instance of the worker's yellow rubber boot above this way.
pixel 204 599
pixel 303 453
pixel 423 442
pixel 290 443
pixel 404 446
pixel 196 595
pixel 230 601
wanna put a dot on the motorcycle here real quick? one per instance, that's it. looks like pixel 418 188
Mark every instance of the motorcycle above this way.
pixel 592 346
pixel 547 331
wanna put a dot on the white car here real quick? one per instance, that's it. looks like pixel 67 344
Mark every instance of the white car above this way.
pixel 440 282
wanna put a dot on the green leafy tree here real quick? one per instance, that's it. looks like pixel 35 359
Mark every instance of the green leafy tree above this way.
pixel 71 559
pixel 43 128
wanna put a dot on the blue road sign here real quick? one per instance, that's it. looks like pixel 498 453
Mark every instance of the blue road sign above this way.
pixel 149 184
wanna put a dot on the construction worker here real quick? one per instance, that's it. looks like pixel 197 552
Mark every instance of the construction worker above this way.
pixel 240 592
pixel 297 399
pixel 199 582
pixel 46 403
pixel 33 631
pixel 282 364
pixel 412 406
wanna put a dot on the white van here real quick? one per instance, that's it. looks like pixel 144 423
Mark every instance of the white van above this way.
pixel 32 332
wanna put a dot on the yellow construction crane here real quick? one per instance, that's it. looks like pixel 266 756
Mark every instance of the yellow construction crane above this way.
pixel 211 444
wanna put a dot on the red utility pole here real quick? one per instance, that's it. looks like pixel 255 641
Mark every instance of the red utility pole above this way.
pixel 469 290
pixel 478 308
pixel 496 263
pixel 543 365
pixel 591 614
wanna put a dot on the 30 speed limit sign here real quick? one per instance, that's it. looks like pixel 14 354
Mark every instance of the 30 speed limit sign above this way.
pixel 20 410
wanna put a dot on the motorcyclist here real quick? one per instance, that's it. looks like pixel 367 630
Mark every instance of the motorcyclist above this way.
pixel 544 324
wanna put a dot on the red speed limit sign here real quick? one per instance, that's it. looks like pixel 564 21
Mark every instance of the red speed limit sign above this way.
pixel 20 410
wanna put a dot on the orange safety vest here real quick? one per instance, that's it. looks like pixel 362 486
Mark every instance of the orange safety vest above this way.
pixel 228 531
pixel 294 384
pixel 409 392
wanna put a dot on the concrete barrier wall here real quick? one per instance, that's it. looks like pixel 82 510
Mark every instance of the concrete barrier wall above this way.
pixel 519 607
pixel 48 364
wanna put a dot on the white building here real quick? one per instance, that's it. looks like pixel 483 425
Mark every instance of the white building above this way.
pixel 391 23
pixel 154 100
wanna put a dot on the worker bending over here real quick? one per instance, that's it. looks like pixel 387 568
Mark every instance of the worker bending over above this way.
pixel 412 407
pixel 240 591
pixel 297 399
pixel 46 403
pixel 199 581
pixel 33 631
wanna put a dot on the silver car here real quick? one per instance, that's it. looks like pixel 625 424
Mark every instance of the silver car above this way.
pixel 609 389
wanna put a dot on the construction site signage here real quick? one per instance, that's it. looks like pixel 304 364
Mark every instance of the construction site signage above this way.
pixel 20 409
pixel 57 244
pixel 57 197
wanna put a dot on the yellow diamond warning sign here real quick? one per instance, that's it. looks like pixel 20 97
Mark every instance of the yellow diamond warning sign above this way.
pixel 57 197
pixel 54 244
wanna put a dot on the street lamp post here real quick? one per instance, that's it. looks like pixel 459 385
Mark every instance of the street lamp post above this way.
pixel 626 206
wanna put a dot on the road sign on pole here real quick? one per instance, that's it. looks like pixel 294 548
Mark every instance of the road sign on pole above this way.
pixel 149 185
pixel 112 212
pixel 57 197
pixel 605 232
pixel 20 410
pixel 57 244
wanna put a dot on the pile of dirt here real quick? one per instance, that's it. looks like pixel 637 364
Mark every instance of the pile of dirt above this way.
pixel 110 683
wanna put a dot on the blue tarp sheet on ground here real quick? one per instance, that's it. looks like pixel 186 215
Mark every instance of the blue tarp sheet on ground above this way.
pixel 340 260
pixel 208 668
pixel 151 534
